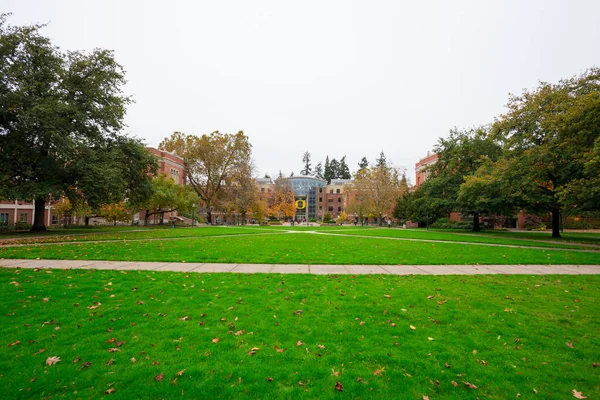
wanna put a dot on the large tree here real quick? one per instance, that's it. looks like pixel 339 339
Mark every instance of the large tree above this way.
pixel 550 135
pixel 376 190
pixel 168 196
pixel 212 162
pixel 344 170
pixel 61 115
pixel 459 155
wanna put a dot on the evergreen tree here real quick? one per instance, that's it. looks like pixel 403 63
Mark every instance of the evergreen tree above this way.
pixel 381 161
pixel 267 176
pixel 334 168
pixel 307 167
pixel 319 171
pixel 344 170
pixel 280 176
pixel 291 174
pixel 327 171
pixel 363 164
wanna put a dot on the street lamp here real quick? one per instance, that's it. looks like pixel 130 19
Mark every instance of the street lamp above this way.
pixel 193 211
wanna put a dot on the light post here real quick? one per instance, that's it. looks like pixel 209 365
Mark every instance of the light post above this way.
pixel 193 213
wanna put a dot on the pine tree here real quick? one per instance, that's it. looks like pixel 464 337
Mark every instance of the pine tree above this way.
pixel 319 171
pixel 291 174
pixel 334 168
pixel 363 164
pixel 307 167
pixel 267 176
pixel 344 170
pixel 381 161
pixel 280 176
pixel 327 171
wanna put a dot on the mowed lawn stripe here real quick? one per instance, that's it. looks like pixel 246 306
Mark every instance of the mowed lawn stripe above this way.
pixel 301 248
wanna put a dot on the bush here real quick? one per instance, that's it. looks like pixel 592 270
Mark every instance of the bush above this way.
pixel 451 225
pixel 22 226
pixel 274 223
pixel 583 224
pixel 312 220
pixel 533 222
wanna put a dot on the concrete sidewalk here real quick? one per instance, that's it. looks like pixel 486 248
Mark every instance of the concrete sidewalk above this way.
pixel 310 269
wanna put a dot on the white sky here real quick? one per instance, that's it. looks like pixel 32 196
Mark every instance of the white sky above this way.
pixel 331 77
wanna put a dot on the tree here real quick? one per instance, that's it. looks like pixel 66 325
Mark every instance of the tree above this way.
pixel 243 191
pixel 459 155
pixel 327 171
pixel 377 189
pixel 267 176
pixel 319 171
pixel 211 161
pixel 167 196
pixel 550 134
pixel 60 118
pixel 282 204
pixel 68 210
pixel 116 212
pixel 334 170
pixel 381 161
pixel 280 175
pixel 307 170
pixel 363 164
pixel 344 171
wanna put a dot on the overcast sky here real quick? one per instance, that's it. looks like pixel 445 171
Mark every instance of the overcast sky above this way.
pixel 329 77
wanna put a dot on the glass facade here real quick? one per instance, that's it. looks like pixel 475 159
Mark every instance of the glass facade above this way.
pixel 305 188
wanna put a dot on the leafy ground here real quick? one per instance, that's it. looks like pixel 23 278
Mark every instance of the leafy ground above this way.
pixel 305 246
pixel 167 335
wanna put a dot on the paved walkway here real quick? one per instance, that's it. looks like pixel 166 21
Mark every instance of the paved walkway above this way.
pixel 311 269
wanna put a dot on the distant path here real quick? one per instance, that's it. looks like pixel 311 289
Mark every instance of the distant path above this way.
pixel 309 269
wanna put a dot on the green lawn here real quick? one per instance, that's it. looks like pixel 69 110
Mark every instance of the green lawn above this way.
pixel 503 334
pixel 278 246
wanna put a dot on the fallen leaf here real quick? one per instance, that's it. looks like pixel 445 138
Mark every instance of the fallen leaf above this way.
pixel 96 305
pixel 18 342
pixel 159 377
pixel 109 391
pixel 216 340
pixel 320 346
pixel 359 379
pixel 277 349
pixel 454 384
pixel 33 379
pixel 470 385
pixel 52 360
pixel 133 360
pixel 578 395
pixel 269 379
pixel 339 387
pixel 85 365
pixel 180 373
pixel 238 333
pixel 430 297
pixel 425 397
pixel 45 299
pixel 518 395
pixel 298 312
pixel 377 372
pixel 299 343
pixel 184 318
pixel 253 351
pixel 569 344
pixel 413 328
pixel 447 365
pixel 534 391
pixel 300 383
pixel 77 359
pixel 113 350
pixel 595 365
pixel 112 360
pixel 430 338
pixel 387 296
pixel 174 381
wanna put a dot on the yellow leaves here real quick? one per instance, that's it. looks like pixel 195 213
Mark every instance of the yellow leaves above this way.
pixel 413 328
pixel 253 351
pixel 430 339
pixel 180 373
pixel 186 318
pixel 18 342
pixel 387 296
pixel 52 360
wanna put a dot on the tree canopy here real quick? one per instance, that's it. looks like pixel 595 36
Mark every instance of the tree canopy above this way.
pixel 61 115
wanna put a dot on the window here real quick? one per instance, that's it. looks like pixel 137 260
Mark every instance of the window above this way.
pixel 330 190
pixel 337 191
pixel 23 217
pixel 320 190
pixel 320 199
pixel 339 199
pixel 54 219
pixel 3 218
pixel 339 209
pixel 320 208
pixel 330 208
pixel 330 200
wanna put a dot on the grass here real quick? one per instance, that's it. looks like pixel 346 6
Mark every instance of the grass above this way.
pixel 503 334
pixel 278 246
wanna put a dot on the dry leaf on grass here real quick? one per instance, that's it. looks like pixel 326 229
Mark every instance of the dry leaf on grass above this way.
pixel 85 365
pixel 578 395
pixel 216 340
pixel 470 385
pixel 180 373
pixel 133 360
pixel 299 343
pixel 52 360
pixel 109 391
pixel 569 344
pixel 159 377
pixel 110 362
pixel 454 384
pixel 339 387
pixel 413 328
pixel 18 342
pixel 277 349
pixel 387 296
pixel 253 351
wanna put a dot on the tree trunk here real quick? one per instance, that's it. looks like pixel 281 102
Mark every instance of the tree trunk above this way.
pixel 87 221
pixel 555 223
pixel 38 222
pixel 244 218
pixel 476 227
pixel 115 222
pixel 146 216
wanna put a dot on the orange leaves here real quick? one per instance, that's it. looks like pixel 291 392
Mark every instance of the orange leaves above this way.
pixel 52 360
pixel 277 349
pixel 216 340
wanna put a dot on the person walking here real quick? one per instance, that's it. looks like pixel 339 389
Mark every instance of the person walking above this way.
pixel 389 221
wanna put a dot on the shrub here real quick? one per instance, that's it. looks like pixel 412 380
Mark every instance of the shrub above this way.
pixel 533 221
pixel 22 226
pixel 452 225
